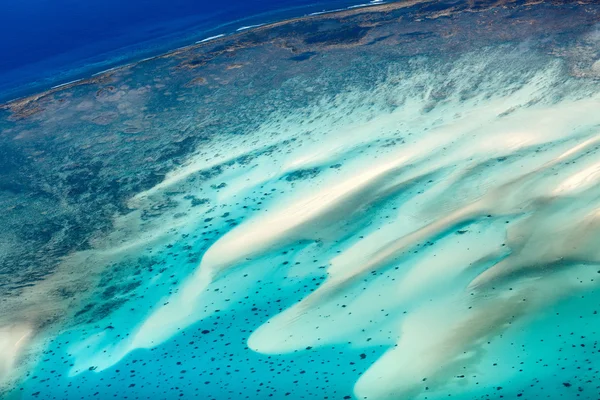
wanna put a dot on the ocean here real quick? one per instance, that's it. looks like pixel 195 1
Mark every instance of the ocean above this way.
pixel 47 43
pixel 397 202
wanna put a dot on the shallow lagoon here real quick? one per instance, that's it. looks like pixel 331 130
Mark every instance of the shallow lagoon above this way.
pixel 398 202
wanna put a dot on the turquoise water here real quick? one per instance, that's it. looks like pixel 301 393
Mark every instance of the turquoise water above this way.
pixel 360 224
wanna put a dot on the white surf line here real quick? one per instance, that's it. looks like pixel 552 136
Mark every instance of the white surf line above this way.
pixel 360 6
pixel 66 83
pixel 243 28
pixel 211 38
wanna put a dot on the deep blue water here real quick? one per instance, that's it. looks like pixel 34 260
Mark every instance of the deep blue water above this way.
pixel 45 43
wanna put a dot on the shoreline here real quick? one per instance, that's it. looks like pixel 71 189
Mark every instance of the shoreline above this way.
pixel 376 6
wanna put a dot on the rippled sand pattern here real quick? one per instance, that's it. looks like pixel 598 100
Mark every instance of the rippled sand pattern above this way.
pixel 407 227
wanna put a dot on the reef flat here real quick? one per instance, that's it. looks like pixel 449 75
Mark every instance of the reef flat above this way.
pixel 392 202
